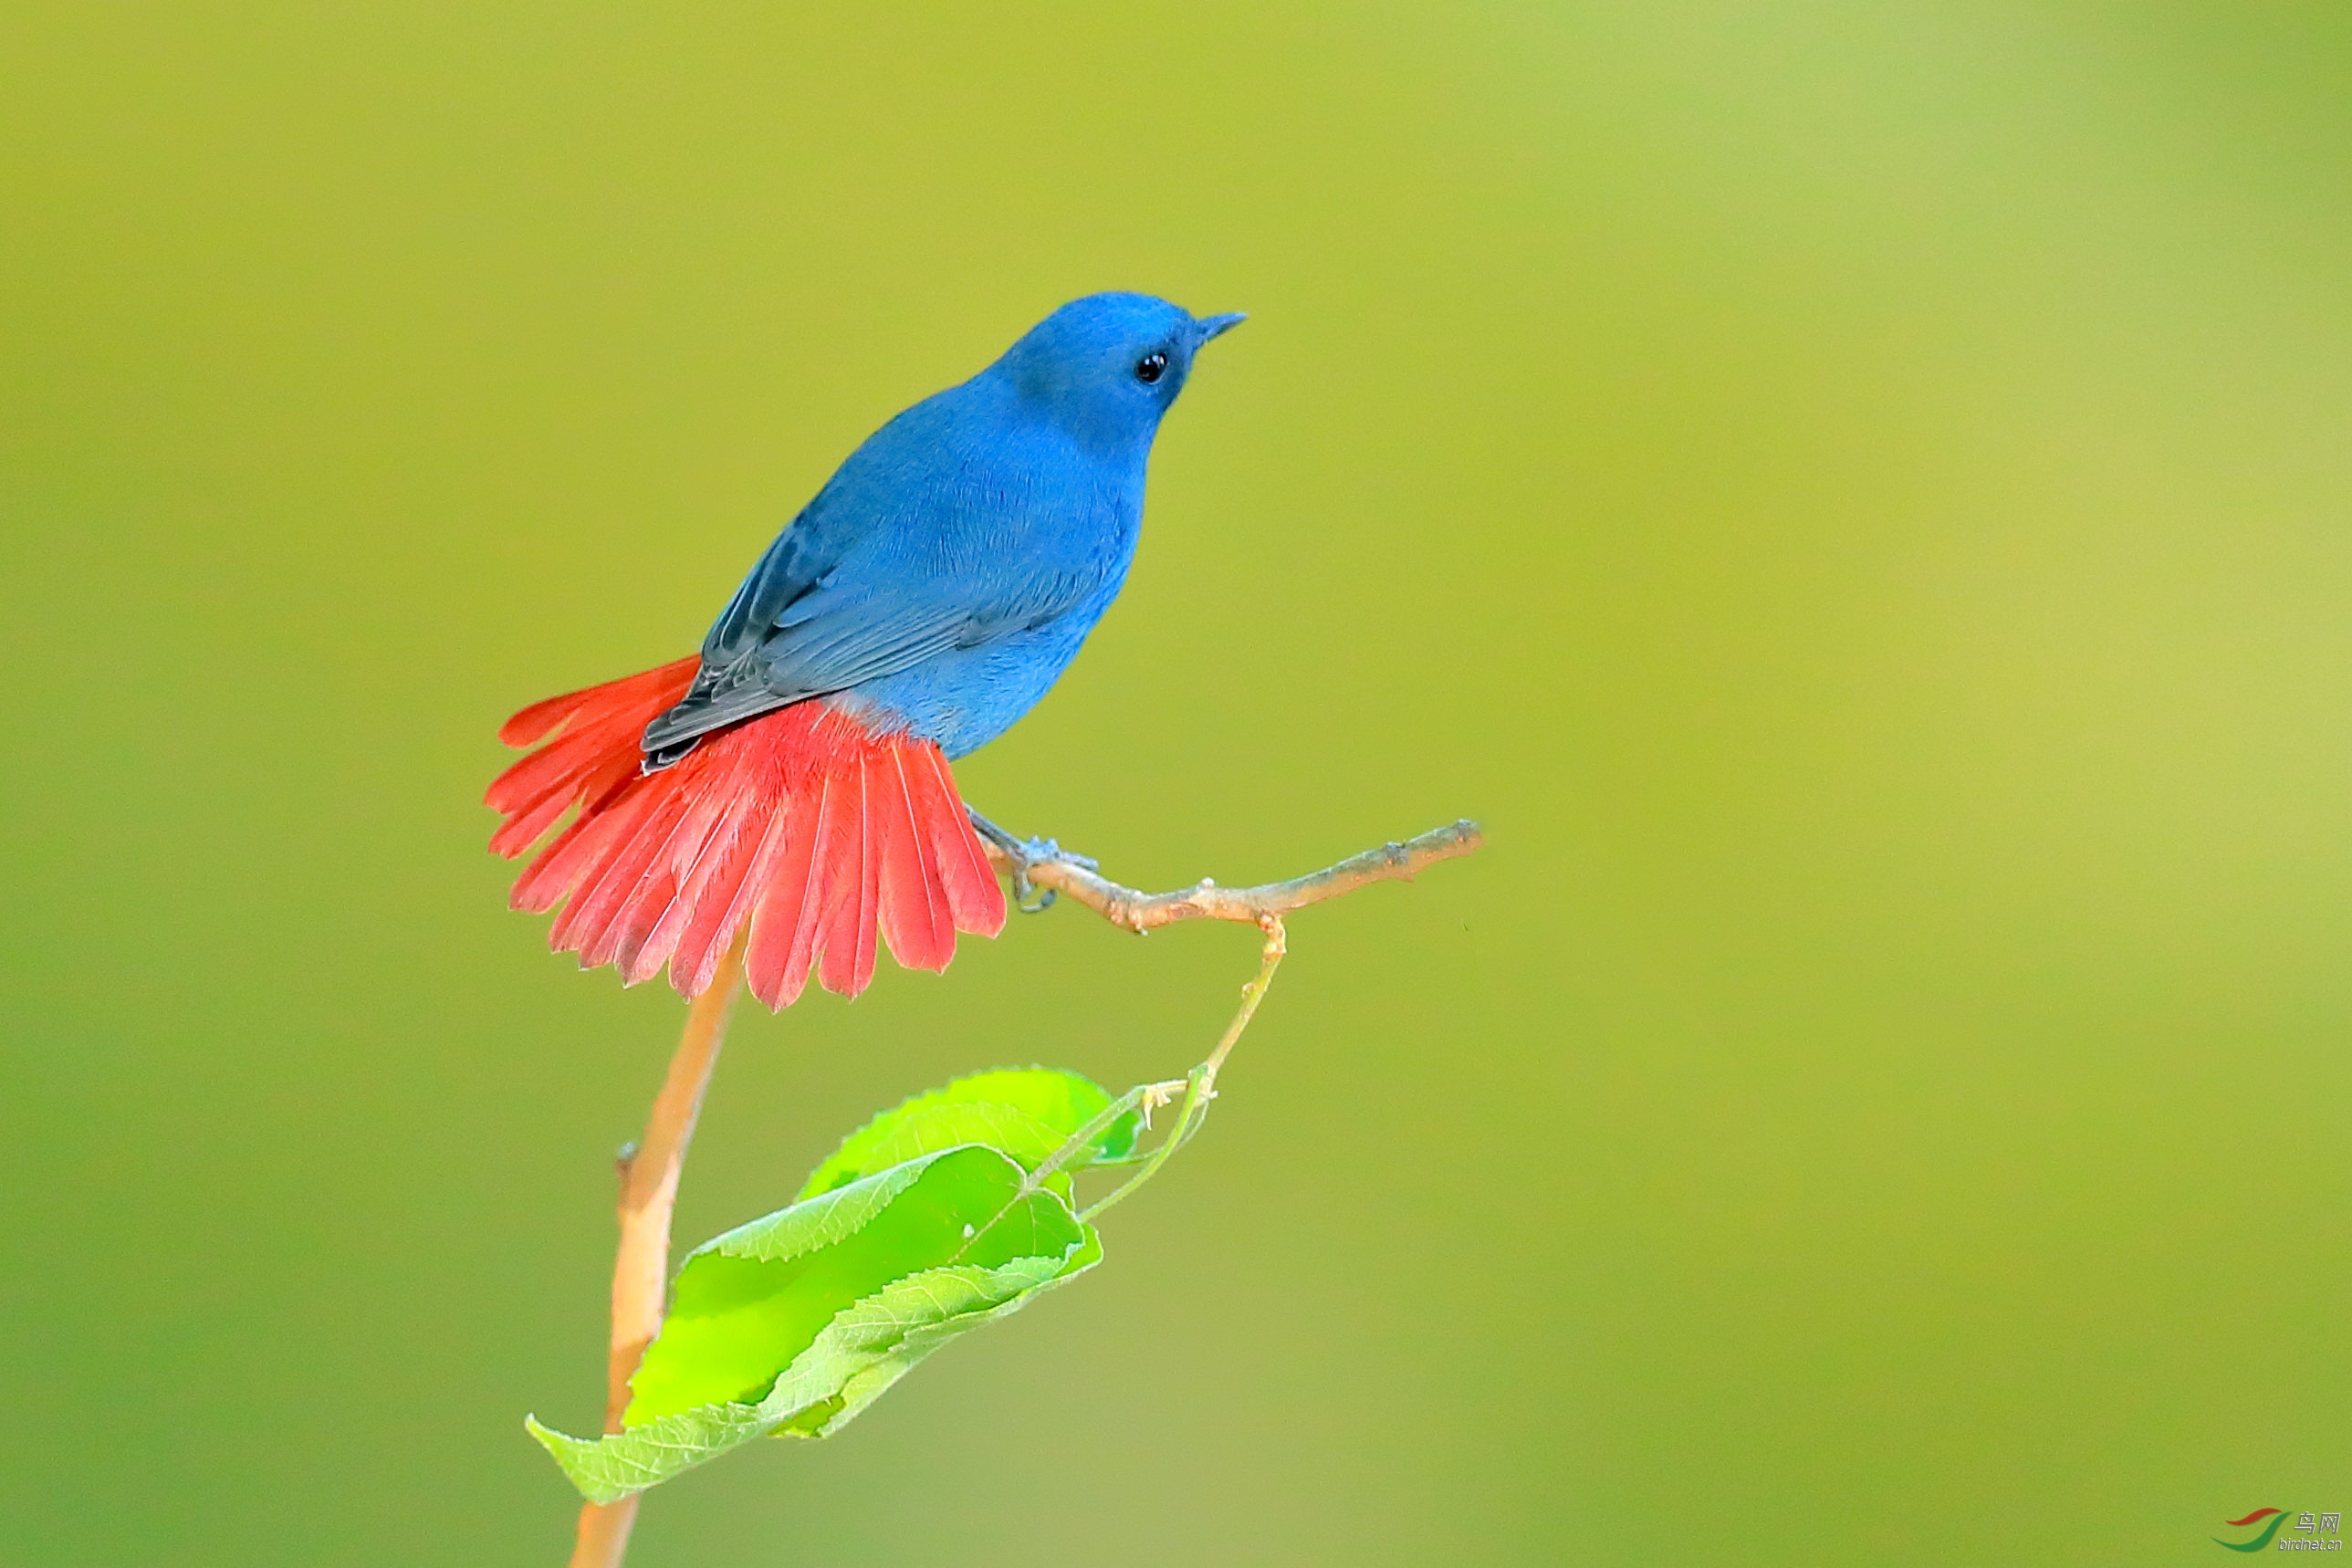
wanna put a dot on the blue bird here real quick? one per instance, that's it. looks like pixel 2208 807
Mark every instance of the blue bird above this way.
pixel 789 784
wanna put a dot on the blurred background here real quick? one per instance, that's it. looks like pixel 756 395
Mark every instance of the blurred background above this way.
pixel 1853 497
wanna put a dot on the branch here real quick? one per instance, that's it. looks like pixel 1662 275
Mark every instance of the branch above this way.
pixel 1034 863
pixel 649 1173
pixel 1046 865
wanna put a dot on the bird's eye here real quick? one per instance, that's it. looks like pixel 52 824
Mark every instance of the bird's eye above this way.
pixel 1150 368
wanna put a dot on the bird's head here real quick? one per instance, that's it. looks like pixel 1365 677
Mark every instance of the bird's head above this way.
pixel 1107 367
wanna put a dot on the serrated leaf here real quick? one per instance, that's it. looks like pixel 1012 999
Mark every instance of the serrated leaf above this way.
pixel 749 1301
pixel 852 1361
pixel 798 1321
pixel 924 1224
pixel 1026 1113
pixel 819 1221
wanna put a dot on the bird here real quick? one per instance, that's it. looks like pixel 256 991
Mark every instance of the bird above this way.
pixel 789 784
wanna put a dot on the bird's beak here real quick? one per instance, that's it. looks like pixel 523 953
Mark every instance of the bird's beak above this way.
pixel 1214 326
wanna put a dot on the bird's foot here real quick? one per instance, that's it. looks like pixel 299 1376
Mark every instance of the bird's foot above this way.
pixel 1026 854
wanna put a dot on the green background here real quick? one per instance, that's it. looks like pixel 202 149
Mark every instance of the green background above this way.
pixel 1854 497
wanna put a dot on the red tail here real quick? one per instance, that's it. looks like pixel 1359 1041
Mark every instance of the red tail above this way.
pixel 816 832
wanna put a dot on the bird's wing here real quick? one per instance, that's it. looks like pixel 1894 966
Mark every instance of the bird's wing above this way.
pixel 732 682
pixel 830 638
pixel 790 569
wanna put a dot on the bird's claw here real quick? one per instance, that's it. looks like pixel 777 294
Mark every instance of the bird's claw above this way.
pixel 1025 855
pixel 1029 897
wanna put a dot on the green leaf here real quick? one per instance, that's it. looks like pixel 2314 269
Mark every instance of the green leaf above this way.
pixel 751 1300
pixel 1024 1113
pixel 851 1363
pixel 795 1322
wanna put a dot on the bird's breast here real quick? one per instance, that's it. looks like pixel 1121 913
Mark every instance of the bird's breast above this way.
pixel 1040 506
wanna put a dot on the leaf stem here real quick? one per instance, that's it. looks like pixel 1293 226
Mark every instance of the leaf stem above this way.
pixel 1096 1125
pixel 1200 1083
pixel 1270 957
pixel 649 1172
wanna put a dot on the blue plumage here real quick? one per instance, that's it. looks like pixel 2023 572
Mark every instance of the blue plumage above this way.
pixel 947 573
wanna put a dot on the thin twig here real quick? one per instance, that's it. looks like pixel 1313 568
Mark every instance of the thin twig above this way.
pixel 1139 912
pixel 649 1176
pixel 1278 945
pixel 1201 1084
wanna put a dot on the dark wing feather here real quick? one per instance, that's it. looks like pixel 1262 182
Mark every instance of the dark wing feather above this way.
pixel 731 684
pixel 833 649
pixel 831 640
pixel 790 569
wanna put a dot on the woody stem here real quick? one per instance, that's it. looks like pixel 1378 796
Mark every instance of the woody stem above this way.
pixel 649 1173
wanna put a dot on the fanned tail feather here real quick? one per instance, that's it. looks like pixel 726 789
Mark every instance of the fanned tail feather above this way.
pixel 801 826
